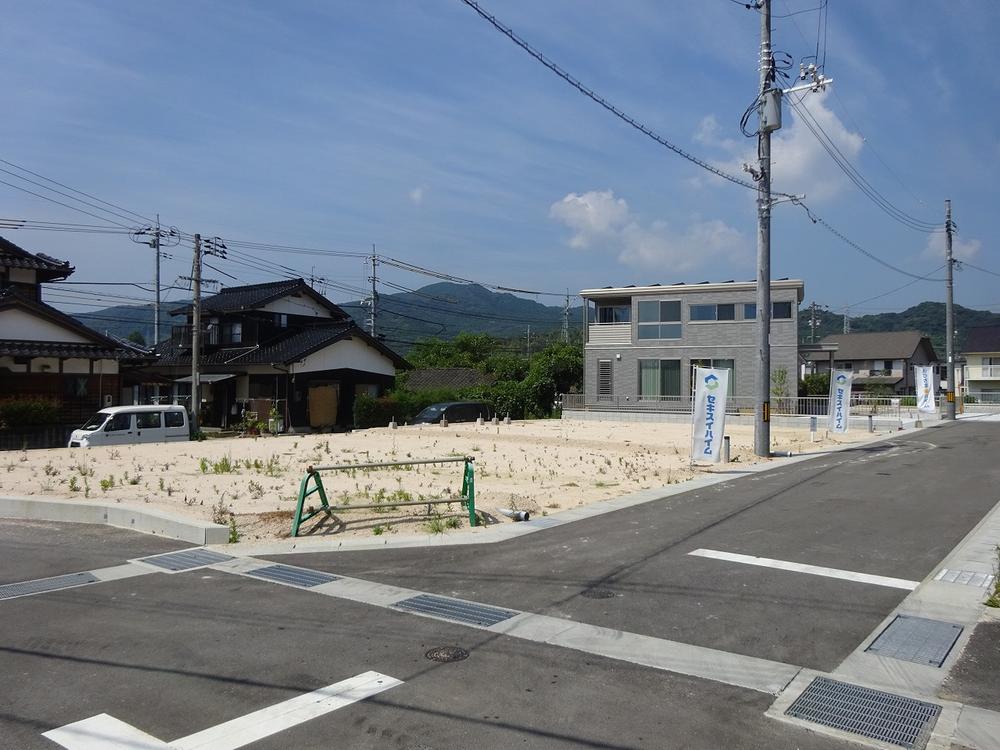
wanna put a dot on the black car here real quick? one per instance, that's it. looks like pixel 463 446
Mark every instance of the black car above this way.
pixel 454 411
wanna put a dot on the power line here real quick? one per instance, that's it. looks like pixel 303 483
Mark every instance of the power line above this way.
pixel 978 268
pixel 592 95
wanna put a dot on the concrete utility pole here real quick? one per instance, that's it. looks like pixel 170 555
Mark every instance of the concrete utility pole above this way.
pixel 949 315
pixel 371 320
pixel 156 309
pixel 762 415
pixel 195 333
pixel 565 323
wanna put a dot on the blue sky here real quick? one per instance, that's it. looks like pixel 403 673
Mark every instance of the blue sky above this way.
pixel 416 126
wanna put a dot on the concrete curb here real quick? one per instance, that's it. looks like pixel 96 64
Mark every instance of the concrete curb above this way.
pixel 146 520
pixel 503 532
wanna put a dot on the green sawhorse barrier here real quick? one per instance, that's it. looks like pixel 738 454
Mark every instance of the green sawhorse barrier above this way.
pixel 312 484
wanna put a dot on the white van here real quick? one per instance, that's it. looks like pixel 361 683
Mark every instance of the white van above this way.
pixel 120 425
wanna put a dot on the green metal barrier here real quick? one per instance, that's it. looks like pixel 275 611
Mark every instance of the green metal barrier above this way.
pixel 312 484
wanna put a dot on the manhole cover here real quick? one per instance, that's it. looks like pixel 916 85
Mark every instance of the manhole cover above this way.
pixel 598 594
pixel 447 653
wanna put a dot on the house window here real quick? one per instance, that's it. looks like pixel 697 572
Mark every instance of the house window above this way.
pixel 844 365
pixel 779 310
pixel 659 320
pixel 604 379
pixel 233 333
pixel 716 364
pixel 712 312
pixel 281 320
pixel 614 313
pixel 659 378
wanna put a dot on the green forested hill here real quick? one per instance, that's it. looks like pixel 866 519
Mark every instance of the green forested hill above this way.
pixel 927 317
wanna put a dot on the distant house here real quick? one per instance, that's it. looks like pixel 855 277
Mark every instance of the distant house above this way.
pixel 455 378
pixel 878 359
pixel 982 360
pixel 46 353
pixel 279 345
pixel 642 342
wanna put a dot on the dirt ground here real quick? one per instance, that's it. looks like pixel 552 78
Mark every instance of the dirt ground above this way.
pixel 539 466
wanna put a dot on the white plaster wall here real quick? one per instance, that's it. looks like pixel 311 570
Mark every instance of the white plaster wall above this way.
pixel 348 353
pixel 298 306
pixel 23 275
pixel 76 366
pixel 7 363
pixel 105 367
pixel 45 364
pixel 21 325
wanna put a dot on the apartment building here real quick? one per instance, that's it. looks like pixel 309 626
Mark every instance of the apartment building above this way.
pixel 642 342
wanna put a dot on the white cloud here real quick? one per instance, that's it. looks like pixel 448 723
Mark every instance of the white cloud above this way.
pixel 417 196
pixel 600 220
pixel 708 134
pixel 592 216
pixel 960 249
pixel 799 163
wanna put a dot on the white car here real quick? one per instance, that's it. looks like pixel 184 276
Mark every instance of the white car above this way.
pixel 120 425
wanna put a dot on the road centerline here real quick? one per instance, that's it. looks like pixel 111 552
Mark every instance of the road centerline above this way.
pixel 816 570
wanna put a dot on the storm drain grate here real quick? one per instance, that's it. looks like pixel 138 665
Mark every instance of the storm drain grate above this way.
pixel 186 559
pixel 916 639
pixel 965 577
pixel 870 713
pixel 26 588
pixel 456 610
pixel 294 576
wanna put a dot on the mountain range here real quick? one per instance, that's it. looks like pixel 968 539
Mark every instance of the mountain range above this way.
pixel 445 309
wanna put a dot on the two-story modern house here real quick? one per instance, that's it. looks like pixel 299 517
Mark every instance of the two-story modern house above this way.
pixel 884 359
pixel 280 345
pixel 982 362
pixel 642 342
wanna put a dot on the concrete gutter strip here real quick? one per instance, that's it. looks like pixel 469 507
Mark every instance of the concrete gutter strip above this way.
pixel 146 520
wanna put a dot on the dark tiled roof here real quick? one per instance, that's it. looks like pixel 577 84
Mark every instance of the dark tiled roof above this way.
pixel 11 348
pixel 447 377
pixel 983 339
pixel 881 345
pixel 12 256
pixel 282 351
pixel 254 296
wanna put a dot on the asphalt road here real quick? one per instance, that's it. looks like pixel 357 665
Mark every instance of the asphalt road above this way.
pixel 175 654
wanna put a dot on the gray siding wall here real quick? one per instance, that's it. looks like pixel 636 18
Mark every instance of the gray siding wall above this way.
pixel 734 340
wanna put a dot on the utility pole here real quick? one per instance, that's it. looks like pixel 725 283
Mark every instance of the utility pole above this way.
pixel 156 309
pixel 529 342
pixel 949 315
pixel 762 414
pixel 371 319
pixel 195 333
pixel 812 323
pixel 565 323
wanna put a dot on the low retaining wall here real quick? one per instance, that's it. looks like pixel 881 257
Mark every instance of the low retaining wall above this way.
pixel 801 422
pixel 123 516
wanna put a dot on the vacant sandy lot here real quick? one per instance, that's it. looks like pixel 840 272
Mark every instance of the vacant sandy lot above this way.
pixel 539 466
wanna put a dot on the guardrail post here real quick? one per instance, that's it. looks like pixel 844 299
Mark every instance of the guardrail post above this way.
pixel 305 491
pixel 469 490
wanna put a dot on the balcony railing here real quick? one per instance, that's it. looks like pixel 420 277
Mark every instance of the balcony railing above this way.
pixel 982 372
pixel 610 333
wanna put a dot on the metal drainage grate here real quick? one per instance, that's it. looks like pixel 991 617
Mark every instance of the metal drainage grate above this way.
pixel 870 713
pixel 186 559
pixel 26 588
pixel 598 594
pixel 965 577
pixel 446 654
pixel 916 639
pixel 456 610
pixel 292 575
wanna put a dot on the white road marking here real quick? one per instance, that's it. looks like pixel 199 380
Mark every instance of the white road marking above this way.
pixel 104 732
pixel 845 575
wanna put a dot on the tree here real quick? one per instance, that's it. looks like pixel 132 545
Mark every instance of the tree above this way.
pixel 136 337
pixel 815 384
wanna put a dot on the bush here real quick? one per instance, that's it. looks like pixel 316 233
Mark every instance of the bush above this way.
pixel 400 404
pixel 28 412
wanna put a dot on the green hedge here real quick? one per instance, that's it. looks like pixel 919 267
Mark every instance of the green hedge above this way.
pixel 400 404
pixel 28 412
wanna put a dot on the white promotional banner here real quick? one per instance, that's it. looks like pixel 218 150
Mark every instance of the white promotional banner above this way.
pixel 926 384
pixel 708 420
pixel 839 409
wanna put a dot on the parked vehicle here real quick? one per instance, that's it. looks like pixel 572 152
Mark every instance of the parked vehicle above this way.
pixel 122 425
pixel 454 411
